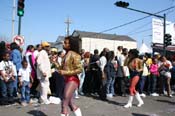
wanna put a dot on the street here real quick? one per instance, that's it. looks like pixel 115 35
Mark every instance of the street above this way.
pixel 91 106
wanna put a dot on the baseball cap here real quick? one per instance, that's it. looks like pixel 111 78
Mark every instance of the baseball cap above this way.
pixel 54 50
pixel 45 44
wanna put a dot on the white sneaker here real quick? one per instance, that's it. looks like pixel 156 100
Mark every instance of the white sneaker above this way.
pixel 45 102
pixel 109 95
pixel 23 103
pixel 143 95
pixel 81 93
pixel 33 100
pixel 165 92
pixel 170 96
pixel 77 97
pixel 154 94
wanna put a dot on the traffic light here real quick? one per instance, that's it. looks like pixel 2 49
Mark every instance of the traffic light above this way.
pixel 20 10
pixel 167 40
pixel 122 4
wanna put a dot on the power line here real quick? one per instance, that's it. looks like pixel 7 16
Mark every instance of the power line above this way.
pixel 135 20
pixel 135 30
pixel 140 31
pixel 173 3
pixel 142 26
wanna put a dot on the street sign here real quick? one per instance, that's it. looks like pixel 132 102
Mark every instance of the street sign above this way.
pixel 19 40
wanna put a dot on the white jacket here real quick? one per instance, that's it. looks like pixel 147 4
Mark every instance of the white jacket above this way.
pixel 43 65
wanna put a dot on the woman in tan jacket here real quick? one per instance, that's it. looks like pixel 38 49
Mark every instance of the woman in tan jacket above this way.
pixel 135 66
pixel 71 66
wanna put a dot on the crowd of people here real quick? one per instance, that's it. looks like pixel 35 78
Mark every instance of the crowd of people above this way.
pixel 155 73
pixel 40 71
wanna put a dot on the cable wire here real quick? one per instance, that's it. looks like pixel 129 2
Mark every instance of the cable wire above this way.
pixel 135 20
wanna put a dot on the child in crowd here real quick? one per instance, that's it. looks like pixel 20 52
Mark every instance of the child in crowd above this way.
pixel 25 80
pixel 6 78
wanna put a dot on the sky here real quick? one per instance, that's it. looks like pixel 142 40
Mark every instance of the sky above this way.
pixel 44 20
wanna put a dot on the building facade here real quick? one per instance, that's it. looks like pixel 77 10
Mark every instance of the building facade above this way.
pixel 91 41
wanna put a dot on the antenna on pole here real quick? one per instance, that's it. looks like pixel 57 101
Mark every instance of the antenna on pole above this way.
pixel 68 22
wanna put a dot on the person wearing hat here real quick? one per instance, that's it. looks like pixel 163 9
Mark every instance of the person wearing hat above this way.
pixel 55 50
pixel 44 72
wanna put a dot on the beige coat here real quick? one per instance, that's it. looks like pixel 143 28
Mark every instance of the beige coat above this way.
pixel 43 65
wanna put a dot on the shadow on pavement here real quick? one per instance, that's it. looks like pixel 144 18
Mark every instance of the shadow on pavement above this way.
pixel 166 101
pixel 36 113
pixel 110 101
pixel 7 101
pixel 136 114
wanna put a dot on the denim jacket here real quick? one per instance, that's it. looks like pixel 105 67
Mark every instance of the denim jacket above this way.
pixel 16 58
pixel 110 70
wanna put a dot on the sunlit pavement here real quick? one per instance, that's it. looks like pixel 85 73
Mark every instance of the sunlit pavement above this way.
pixel 91 106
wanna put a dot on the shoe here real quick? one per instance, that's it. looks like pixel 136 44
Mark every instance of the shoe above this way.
pixel 94 94
pixel 81 93
pixel 77 112
pixel 33 100
pixel 124 95
pixel 109 95
pixel 165 92
pixel 129 104
pixel 77 97
pixel 143 95
pixel 23 103
pixel 139 99
pixel 45 102
pixel 154 94
pixel 170 96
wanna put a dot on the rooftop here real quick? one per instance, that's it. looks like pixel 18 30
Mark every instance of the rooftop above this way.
pixel 102 36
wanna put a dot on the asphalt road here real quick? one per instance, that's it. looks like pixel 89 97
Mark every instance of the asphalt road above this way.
pixel 91 106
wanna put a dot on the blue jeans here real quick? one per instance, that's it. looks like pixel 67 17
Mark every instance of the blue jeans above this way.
pixel 152 81
pixel 25 92
pixel 6 89
pixel 110 85
pixel 15 86
pixel 81 77
pixel 142 83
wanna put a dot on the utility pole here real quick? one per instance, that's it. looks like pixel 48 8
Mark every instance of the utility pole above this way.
pixel 164 31
pixel 13 18
pixel 19 26
pixel 68 22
